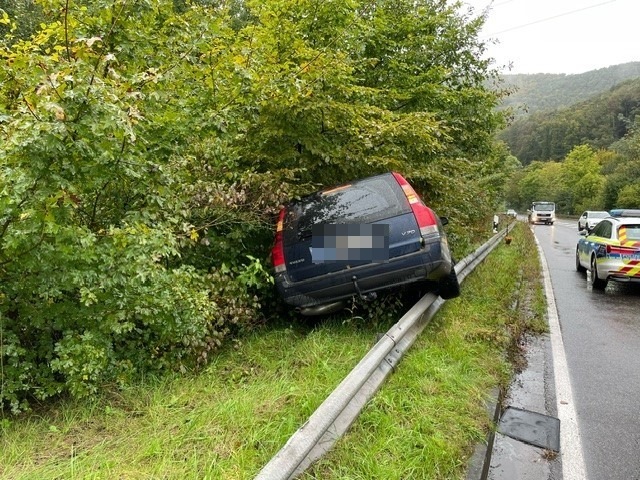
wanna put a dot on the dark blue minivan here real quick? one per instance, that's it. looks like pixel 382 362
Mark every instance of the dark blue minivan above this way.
pixel 357 239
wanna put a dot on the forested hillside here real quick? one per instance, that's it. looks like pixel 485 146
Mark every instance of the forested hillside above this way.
pixel 147 146
pixel 598 122
pixel 586 157
pixel 546 91
pixel 579 145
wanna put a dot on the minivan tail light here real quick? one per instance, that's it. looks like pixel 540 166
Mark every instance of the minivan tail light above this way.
pixel 424 215
pixel 277 252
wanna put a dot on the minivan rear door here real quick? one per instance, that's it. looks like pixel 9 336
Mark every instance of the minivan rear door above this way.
pixel 376 206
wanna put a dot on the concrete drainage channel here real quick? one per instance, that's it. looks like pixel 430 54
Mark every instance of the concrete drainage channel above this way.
pixel 340 409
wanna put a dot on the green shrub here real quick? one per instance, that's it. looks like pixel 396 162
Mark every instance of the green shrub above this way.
pixel 146 147
pixel 71 327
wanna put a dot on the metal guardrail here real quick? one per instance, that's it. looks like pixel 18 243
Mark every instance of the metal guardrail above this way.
pixel 340 409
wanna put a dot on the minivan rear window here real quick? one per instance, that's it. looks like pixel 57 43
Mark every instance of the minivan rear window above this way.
pixel 366 201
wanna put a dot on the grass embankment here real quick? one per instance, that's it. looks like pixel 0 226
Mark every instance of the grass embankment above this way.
pixel 227 422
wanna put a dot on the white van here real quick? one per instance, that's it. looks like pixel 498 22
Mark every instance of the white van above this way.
pixel 542 212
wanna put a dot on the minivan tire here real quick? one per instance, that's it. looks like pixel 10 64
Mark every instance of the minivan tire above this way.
pixel 449 287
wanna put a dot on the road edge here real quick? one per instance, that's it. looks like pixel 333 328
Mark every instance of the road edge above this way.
pixel 573 467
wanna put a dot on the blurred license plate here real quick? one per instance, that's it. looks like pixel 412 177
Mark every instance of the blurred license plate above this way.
pixel 354 242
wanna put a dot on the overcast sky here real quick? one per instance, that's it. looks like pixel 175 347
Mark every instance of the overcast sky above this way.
pixel 561 36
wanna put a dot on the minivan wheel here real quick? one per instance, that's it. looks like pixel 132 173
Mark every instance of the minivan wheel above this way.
pixel 449 287
pixel 596 282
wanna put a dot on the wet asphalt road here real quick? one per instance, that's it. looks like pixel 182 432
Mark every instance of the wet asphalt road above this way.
pixel 601 334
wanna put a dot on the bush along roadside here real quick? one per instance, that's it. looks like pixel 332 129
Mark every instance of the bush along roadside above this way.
pixel 230 419
pixel 145 149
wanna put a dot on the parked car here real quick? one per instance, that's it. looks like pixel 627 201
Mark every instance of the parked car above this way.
pixel 357 239
pixel 590 219
pixel 512 213
pixel 611 251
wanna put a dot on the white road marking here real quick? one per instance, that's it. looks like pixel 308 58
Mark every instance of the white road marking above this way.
pixel 573 467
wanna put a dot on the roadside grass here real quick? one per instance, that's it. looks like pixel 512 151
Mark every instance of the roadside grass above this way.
pixel 228 421
pixel 427 418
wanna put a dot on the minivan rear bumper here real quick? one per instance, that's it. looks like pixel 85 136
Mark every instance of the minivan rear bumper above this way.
pixel 426 264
